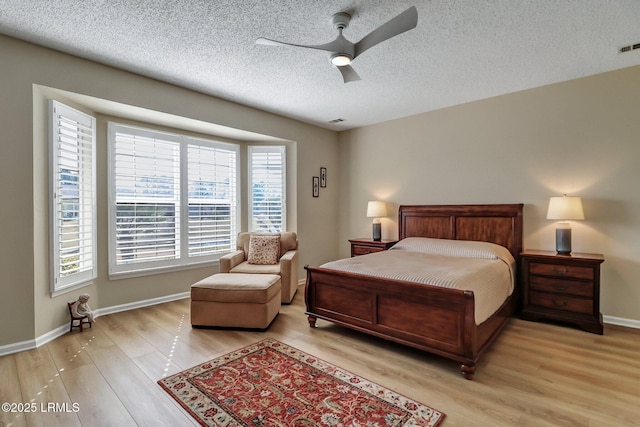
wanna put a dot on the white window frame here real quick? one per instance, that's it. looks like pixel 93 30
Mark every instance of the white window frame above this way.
pixel 72 138
pixel 204 176
pixel 279 150
pixel 184 259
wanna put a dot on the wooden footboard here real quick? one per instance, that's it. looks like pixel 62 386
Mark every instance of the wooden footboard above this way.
pixel 429 318
pixel 424 317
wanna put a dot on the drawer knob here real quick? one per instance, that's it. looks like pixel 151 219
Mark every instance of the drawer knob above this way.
pixel 560 287
pixel 559 304
pixel 565 270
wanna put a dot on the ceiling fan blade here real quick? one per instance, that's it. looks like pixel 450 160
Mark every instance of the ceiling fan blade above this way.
pixel 333 46
pixel 348 73
pixel 406 21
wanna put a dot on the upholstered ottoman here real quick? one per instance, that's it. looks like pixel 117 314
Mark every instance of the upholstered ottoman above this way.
pixel 236 300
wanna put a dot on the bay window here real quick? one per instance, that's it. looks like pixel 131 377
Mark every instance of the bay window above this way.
pixel 173 199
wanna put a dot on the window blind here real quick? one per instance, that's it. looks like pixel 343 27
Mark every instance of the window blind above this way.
pixel 147 197
pixel 267 188
pixel 212 199
pixel 73 197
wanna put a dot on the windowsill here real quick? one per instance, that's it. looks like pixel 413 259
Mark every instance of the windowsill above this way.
pixel 71 288
pixel 161 270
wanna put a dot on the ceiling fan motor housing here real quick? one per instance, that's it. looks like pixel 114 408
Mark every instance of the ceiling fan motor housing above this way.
pixel 340 20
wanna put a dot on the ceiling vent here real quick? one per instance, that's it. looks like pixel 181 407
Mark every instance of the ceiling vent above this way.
pixel 337 120
pixel 629 48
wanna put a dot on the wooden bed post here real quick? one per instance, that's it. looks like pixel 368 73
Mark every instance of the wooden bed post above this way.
pixel 468 370
pixel 307 299
pixel 312 321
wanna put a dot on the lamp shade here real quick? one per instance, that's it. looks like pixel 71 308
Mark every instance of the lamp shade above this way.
pixel 565 207
pixel 376 209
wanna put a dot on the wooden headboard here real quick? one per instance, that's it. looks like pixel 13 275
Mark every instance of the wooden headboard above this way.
pixel 500 224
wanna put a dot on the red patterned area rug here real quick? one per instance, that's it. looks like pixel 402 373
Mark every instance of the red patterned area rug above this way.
pixel 272 384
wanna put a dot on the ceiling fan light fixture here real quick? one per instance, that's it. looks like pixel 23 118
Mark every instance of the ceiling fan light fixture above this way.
pixel 341 59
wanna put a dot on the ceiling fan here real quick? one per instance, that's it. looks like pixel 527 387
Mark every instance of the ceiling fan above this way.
pixel 343 51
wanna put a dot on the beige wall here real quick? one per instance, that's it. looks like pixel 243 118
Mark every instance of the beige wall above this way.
pixel 580 137
pixel 26 309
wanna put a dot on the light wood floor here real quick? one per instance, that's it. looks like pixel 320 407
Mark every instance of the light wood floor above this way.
pixel 535 374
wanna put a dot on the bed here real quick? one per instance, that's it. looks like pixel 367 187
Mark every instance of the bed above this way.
pixel 436 319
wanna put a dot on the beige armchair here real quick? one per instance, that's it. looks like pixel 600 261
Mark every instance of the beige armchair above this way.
pixel 287 267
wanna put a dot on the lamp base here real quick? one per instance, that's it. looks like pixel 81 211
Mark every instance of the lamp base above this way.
pixel 377 232
pixel 563 240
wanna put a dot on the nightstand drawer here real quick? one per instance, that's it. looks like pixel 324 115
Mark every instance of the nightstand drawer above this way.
pixel 561 302
pixel 363 250
pixel 367 246
pixel 557 270
pixel 566 287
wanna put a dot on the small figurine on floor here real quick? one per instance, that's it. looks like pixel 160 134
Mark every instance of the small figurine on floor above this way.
pixel 81 308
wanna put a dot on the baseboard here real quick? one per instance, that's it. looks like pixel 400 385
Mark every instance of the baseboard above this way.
pixel 51 335
pixel 620 321
pixel 17 347
pixel 140 304
pixel 61 330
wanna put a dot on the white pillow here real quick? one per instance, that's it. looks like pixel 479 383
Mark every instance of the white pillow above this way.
pixel 460 248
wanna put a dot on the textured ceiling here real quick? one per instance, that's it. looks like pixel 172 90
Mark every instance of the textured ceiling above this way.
pixel 461 50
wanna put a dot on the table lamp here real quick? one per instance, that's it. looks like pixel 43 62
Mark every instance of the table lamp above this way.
pixel 376 210
pixel 564 208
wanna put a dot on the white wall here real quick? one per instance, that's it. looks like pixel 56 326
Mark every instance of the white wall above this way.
pixel 579 137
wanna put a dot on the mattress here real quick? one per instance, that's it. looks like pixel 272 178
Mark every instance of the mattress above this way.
pixel 486 269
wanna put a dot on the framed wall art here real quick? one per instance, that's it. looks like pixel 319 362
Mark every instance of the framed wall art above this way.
pixel 316 186
pixel 323 177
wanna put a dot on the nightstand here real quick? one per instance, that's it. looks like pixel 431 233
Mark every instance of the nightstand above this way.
pixel 562 288
pixel 366 246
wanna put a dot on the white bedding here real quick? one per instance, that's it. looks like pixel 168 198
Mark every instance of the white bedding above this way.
pixel 486 269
